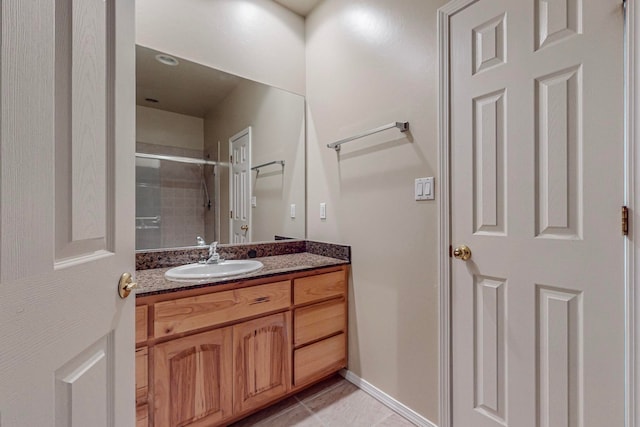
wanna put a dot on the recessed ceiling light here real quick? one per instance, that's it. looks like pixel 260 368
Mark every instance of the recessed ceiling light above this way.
pixel 167 60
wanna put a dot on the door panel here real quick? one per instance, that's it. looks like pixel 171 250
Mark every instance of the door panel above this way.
pixel 88 56
pixel 558 147
pixel 82 387
pixel 536 185
pixel 556 20
pixel 67 132
pixel 559 341
pixel 489 44
pixel 83 145
pixel 489 351
pixel 489 121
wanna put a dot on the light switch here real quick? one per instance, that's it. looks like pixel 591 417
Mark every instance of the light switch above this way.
pixel 254 202
pixel 427 189
pixel 293 211
pixel 419 188
pixel 424 189
pixel 323 211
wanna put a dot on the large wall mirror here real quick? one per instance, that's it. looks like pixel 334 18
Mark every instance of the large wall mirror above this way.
pixel 217 156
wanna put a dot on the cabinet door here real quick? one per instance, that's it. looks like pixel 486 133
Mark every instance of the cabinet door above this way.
pixel 142 416
pixel 261 354
pixel 192 380
pixel 142 375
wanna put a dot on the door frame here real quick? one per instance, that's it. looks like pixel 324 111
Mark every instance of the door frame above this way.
pixel 245 131
pixel 631 194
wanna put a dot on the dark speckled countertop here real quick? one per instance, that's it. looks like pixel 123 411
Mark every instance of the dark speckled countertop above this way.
pixel 152 281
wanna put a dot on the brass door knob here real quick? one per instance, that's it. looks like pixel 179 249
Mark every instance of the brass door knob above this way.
pixel 244 227
pixel 462 252
pixel 126 285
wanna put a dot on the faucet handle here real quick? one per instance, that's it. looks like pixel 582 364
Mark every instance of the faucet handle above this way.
pixel 200 241
pixel 213 247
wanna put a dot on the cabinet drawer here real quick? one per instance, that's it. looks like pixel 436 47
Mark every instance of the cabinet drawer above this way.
pixel 321 286
pixel 319 320
pixel 319 359
pixel 187 314
pixel 142 416
pixel 141 323
pixel 142 375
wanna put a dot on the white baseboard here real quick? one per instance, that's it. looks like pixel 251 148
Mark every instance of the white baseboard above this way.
pixel 387 400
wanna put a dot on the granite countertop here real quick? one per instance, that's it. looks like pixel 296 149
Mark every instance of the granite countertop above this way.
pixel 152 281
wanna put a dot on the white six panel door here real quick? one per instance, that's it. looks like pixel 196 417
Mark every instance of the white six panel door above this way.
pixel 67 132
pixel 240 149
pixel 537 185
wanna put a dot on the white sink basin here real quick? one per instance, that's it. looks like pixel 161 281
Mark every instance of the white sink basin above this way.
pixel 196 272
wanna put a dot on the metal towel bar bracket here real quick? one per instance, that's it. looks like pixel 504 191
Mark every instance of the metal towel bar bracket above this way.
pixel 403 126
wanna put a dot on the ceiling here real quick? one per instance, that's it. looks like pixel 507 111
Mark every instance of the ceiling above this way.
pixel 301 7
pixel 189 88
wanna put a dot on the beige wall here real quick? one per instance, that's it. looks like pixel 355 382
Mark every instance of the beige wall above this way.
pixel 276 118
pixel 256 39
pixel 170 129
pixel 370 63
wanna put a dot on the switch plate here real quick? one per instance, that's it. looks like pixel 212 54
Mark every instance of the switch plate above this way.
pixel 323 211
pixel 254 202
pixel 293 211
pixel 424 189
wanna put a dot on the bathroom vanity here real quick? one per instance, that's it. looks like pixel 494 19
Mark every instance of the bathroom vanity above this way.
pixel 209 354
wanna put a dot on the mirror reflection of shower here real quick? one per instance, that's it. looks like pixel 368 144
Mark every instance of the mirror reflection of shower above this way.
pixel 173 200
pixel 191 110
pixel 205 190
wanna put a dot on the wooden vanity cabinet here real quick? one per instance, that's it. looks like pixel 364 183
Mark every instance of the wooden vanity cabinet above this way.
pixel 209 356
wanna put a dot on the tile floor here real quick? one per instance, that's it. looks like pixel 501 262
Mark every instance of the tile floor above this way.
pixel 331 403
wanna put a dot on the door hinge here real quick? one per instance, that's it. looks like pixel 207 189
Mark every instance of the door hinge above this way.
pixel 230 159
pixel 450 251
pixel 230 214
pixel 625 221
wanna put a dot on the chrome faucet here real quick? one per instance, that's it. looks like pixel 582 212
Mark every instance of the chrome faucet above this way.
pixel 214 256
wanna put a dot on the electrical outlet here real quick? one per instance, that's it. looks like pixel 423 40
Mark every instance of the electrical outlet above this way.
pixel 293 211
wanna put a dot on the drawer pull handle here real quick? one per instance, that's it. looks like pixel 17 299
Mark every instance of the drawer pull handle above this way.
pixel 261 300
